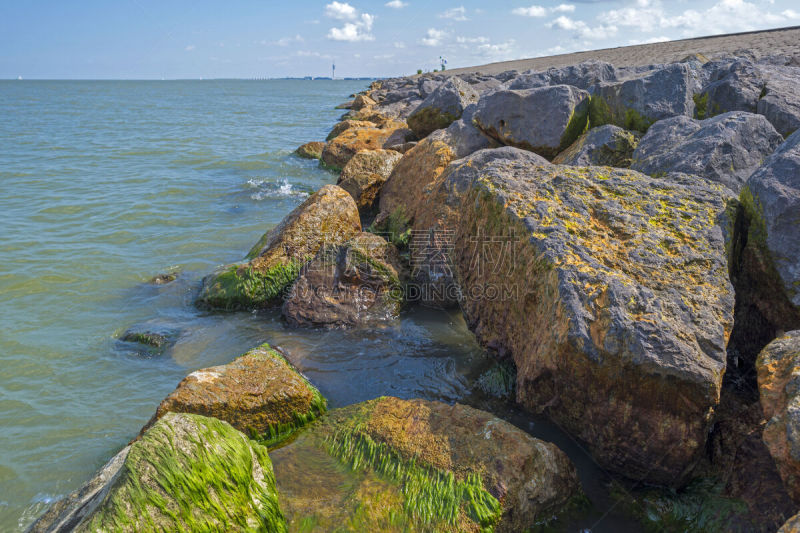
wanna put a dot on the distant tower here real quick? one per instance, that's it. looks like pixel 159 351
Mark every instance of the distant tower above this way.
pixel 333 71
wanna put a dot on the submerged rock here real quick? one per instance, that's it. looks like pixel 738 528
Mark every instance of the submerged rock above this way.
pixel 545 120
pixel 607 145
pixel 147 340
pixel 260 393
pixel 329 216
pixel 364 175
pixel 778 368
pixel 636 103
pixel 312 150
pixel 187 472
pixel 421 466
pixel 442 107
pixel 353 283
pixel 610 291
pixel 726 148
pixel 163 279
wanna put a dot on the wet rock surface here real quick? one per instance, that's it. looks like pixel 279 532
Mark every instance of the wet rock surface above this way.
pixel 328 216
pixel 260 393
pixel 432 466
pixel 364 175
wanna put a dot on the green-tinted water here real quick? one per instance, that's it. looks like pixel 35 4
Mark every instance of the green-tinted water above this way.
pixel 105 184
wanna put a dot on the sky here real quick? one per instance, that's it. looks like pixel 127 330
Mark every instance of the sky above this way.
pixel 154 39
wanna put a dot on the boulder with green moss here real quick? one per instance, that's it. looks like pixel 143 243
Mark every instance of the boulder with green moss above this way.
pixel 606 145
pixel 778 367
pixel 726 148
pixel 353 283
pixel 544 120
pixel 364 175
pixel 311 150
pixel 442 107
pixel 646 97
pixel 772 201
pixel 610 291
pixel 260 393
pixel 416 465
pixel 329 216
pixel 186 473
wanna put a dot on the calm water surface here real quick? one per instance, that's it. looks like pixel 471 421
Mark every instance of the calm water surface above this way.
pixel 104 184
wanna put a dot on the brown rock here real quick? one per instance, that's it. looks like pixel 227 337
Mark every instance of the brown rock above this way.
pixel 792 525
pixel 312 150
pixel 778 367
pixel 328 216
pixel 364 175
pixel 405 454
pixel 353 283
pixel 344 125
pixel 260 393
pixel 352 140
pixel 361 101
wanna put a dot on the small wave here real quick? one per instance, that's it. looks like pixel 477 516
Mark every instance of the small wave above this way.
pixel 266 189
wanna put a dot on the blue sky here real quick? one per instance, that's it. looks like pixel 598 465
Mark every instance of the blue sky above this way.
pixel 246 39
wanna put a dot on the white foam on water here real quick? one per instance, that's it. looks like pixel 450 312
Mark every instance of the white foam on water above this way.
pixel 268 188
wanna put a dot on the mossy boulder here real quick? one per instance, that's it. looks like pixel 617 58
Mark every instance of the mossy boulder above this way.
pixel 610 291
pixel 311 150
pixel 344 125
pixel 443 106
pixel 364 175
pixel 260 393
pixel 726 148
pixel 416 465
pixel 772 200
pixel 649 96
pixel 329 216
pixel 792 525
pixel 778 367
pixel 349 142
pixel 545 120
pixel 186 473
pixel 353 283
pixel 606 145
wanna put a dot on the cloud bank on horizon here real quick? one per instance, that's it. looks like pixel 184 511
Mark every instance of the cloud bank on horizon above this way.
pixel 189 39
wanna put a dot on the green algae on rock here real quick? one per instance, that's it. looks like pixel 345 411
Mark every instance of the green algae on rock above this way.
pixel 311 150
pixel 433 466
pixel 329 216
pixel 613 301
pixel 606 145
pixel 186 473
pixel 260 393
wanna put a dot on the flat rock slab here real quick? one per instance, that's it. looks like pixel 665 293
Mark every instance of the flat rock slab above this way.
pixel 417 465
pixel 260 393
pixel 610 291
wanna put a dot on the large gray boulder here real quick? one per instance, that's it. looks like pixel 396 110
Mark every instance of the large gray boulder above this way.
pixel 725 149
pixel 442 107
pixel 773 197
pixel 601 284
pixel 463 137
pixel 780 101
pixel 583 75
pixel 607 145
pixel 544 120
pixel 636 103
pixel 736 87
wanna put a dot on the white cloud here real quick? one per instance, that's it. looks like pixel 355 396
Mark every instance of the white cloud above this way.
pixel 358 25
pixel 433 37
pixel 341 11
pixel 650 40
pixel 472 40
pixel 189 48
pixel 354 31
pixel 532 11
pixel 308 53
pixel 457 13
pixel 396 4
pixel 563 8
pixel 399 44
pixel 583 30
pixel 286 41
